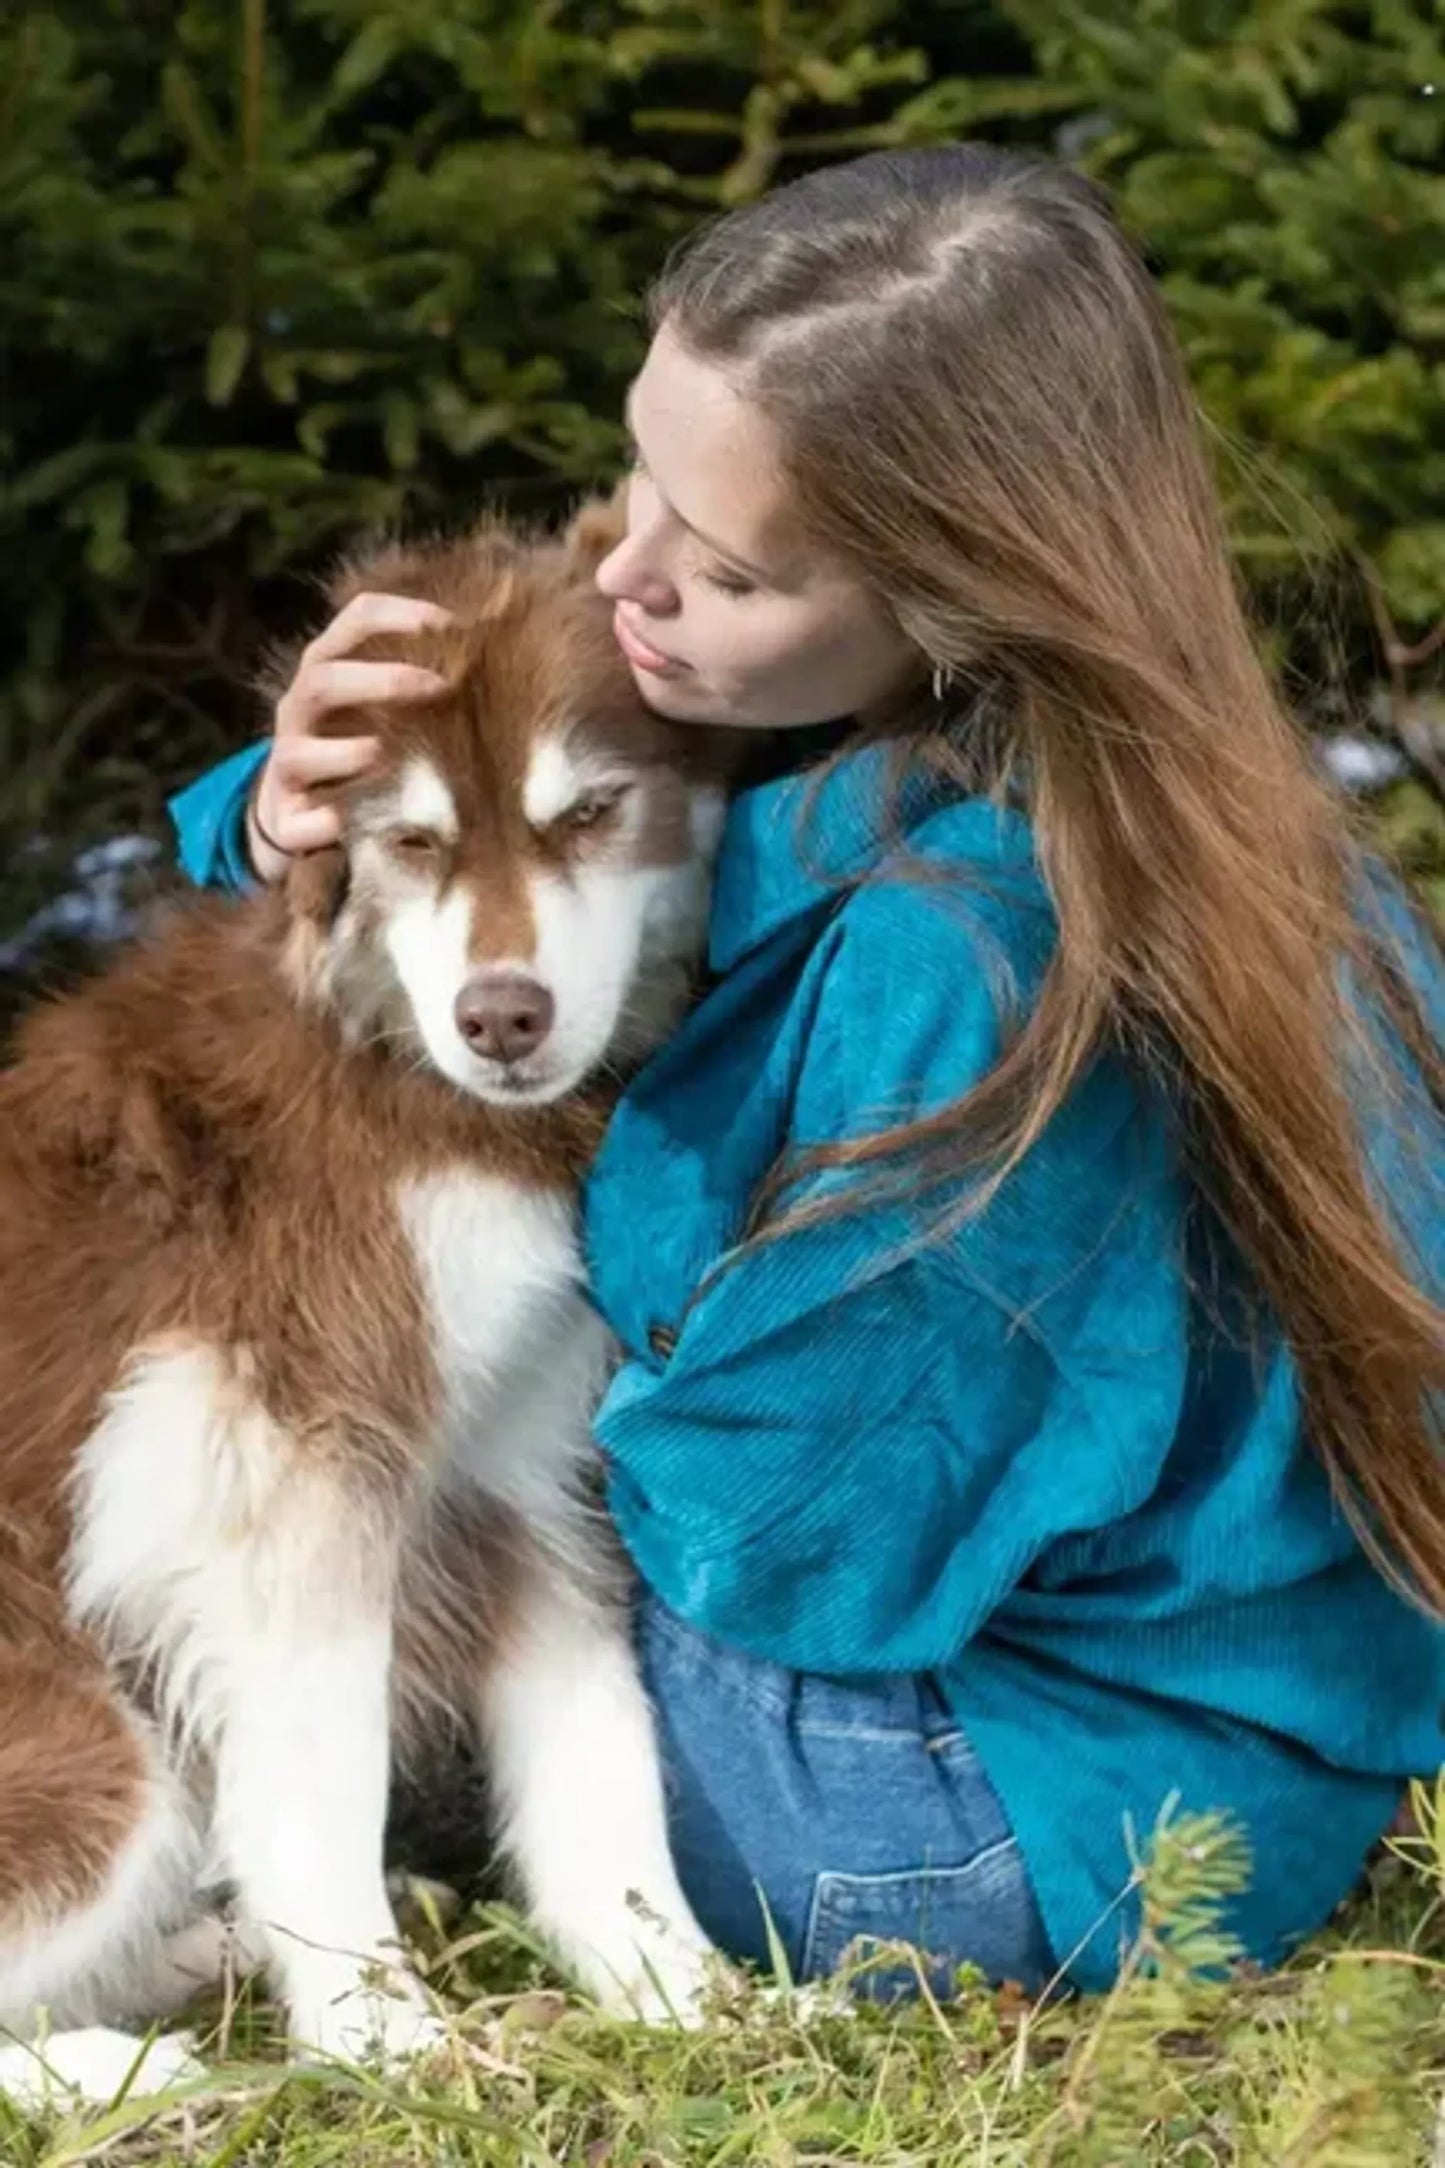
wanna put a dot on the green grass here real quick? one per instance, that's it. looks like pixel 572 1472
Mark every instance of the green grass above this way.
pixel 1335 2062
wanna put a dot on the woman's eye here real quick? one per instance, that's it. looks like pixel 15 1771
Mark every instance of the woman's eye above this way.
pixel 729 583
pixel 416 843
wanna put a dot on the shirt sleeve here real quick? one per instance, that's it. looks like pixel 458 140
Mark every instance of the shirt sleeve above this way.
pixel 851 1457
pixel 209 817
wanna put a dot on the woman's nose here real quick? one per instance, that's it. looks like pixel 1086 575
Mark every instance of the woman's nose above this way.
pixel 625 576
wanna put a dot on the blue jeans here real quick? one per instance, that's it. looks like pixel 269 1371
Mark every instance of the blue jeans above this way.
pixel 856 1805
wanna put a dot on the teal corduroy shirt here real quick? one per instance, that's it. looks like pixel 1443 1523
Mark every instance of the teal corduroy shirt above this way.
pixel 1027 1457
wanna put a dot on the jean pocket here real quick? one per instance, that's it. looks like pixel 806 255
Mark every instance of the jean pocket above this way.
pixel 981 1913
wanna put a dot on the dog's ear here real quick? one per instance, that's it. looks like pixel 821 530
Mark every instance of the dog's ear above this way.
pixel 380 562
pixel 316 886
pixel 315 890
pixel 433 568
pixel 595 529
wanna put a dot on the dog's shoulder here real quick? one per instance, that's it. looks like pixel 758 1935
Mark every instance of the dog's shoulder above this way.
pixel 113 1084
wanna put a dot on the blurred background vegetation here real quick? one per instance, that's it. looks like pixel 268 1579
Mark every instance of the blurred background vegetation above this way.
pixel 270 274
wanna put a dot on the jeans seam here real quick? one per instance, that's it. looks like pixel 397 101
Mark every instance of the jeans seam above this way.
pixel 872 1734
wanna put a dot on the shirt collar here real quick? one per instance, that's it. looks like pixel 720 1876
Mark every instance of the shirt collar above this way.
pixel 787 843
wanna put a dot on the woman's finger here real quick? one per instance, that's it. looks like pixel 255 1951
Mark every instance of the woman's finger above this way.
pixel 318 688
pixel 368 614
pixel 298 762
pixel 310 830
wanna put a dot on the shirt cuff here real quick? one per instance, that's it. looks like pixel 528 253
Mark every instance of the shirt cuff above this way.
pixel 209 817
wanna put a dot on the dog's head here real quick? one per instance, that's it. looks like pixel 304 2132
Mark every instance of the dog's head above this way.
pixel 520 893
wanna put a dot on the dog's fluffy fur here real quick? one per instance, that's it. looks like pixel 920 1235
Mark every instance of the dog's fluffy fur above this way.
pixel 296 1367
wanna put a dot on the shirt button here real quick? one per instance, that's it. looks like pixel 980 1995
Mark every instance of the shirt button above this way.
pixel 662 1340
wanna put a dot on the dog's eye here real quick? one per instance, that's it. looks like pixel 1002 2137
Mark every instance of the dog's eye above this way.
pixel 595 807
pixel 417 844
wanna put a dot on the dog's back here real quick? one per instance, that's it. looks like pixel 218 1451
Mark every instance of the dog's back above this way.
pixel 294 1365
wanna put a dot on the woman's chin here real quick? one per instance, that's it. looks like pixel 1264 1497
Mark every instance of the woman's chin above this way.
pixel 676 698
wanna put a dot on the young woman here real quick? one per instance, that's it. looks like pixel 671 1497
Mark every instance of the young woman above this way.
pixel 1027 1257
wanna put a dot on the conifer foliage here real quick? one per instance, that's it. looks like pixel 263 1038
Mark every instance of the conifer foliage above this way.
pixel 270 275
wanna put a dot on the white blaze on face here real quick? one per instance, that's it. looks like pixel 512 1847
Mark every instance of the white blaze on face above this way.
pixel 430 943
pixel 429 936
pixel 613 936
pixel 611 930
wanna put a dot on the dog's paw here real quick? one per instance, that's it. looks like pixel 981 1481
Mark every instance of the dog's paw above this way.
pixel 663 1978
pixel 211 1949
pixel 664 1995
pixel 370 2024
pixel 93 2064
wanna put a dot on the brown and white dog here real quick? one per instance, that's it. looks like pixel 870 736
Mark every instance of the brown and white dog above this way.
pixel 297 1368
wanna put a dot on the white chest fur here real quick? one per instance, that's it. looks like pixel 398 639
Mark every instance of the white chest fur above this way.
pixel 523 1356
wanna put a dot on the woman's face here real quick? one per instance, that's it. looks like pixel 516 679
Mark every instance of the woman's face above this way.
pixel 723 612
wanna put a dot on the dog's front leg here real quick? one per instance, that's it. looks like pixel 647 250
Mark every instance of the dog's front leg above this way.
pixel 573 1755
pixel 302 1773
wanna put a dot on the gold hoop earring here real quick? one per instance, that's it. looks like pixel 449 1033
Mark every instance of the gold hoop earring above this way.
pixel 942 679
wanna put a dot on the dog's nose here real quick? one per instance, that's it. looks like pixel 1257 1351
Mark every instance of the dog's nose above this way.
pixel 504 1016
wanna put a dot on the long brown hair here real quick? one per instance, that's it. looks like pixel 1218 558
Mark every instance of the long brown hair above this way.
pixel 1025 485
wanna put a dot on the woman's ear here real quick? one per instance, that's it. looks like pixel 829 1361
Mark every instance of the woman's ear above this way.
pixel 595 529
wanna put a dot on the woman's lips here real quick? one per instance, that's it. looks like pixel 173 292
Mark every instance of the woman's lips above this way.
pixel 638 651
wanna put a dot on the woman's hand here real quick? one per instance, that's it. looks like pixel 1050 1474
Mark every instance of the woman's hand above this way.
pixel 290 810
